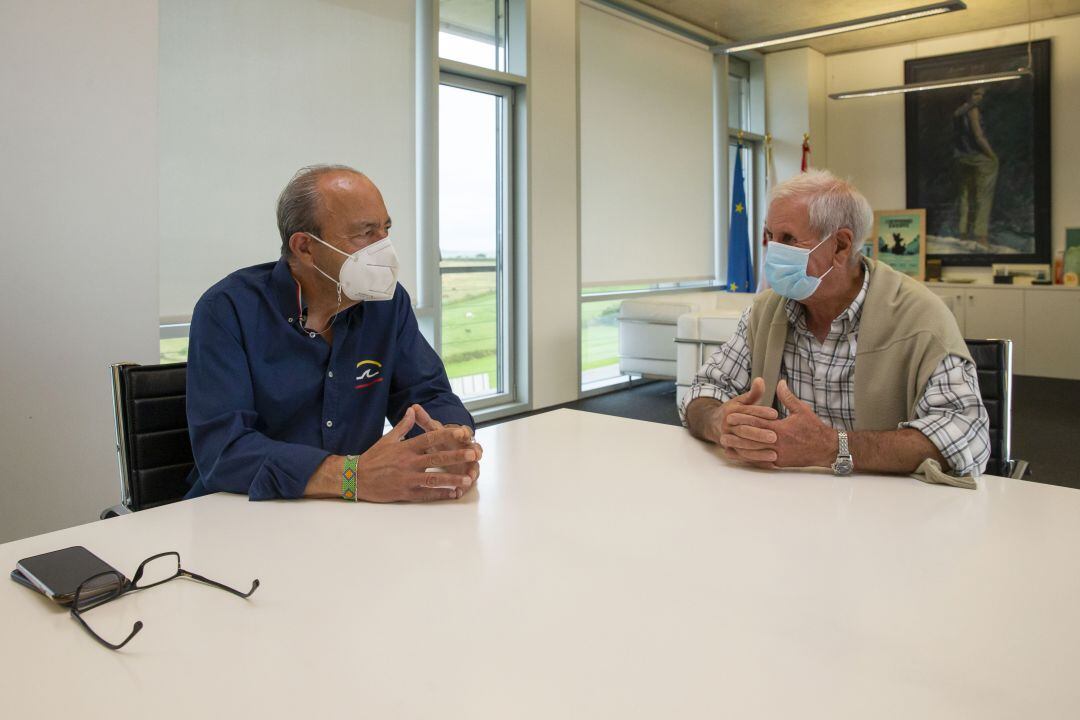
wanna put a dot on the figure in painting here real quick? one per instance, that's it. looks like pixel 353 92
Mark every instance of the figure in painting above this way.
pixel 976 169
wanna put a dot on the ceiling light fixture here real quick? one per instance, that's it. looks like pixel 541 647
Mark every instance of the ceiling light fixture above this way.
pixel 934 84
pixel 841 27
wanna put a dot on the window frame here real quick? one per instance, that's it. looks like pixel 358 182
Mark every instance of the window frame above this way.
pixel 505 290
pixel 430 68
pixel 502 20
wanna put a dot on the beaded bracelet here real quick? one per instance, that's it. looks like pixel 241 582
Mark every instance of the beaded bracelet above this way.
pixel 348 478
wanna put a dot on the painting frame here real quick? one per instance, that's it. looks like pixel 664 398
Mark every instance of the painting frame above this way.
pixel 921 153
pixel 887 222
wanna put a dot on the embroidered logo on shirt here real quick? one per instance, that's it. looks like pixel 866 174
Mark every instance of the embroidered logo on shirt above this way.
pixel 369 375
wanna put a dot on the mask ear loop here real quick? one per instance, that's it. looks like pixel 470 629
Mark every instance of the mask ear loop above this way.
pixel 337 307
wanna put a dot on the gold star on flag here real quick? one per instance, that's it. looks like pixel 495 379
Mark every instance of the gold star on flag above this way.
pixel 734 287
pixel 738 207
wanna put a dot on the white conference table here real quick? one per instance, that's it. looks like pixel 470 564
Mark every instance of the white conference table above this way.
pixel 605 568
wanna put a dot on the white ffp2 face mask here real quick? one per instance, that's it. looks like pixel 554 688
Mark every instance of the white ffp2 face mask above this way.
pixel 369 274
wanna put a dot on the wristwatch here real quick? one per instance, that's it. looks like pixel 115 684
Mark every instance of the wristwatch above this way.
pixel 843 464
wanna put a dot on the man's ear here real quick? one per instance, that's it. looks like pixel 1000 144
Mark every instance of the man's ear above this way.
pixel 301 245
pixel 844 240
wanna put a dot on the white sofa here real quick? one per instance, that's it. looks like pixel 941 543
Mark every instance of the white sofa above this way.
pixel 648 329
pixel 699 334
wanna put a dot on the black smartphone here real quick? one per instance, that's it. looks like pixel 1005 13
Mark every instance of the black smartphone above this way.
pixel 59 573
pixel 21 579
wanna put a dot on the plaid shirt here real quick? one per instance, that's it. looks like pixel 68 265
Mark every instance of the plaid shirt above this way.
pixel 822 374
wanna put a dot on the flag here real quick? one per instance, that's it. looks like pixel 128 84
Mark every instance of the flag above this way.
pixel 740 266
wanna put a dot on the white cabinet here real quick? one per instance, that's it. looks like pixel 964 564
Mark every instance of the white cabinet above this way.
pixel 986 312
pixel 1042 322
pixel 1053 327
pixel 954 300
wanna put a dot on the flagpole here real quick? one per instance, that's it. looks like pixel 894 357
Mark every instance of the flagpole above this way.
pixel 759 255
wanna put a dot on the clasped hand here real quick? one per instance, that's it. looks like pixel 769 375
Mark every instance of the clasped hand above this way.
pixel 754 434
pixel 395 469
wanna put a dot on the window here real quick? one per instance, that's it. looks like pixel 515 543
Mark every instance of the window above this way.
pixel 742 112
pixel 738 94
pixel 600 329
pixel 674 74
pixel 474 308
pixel 600 344
pixel 173 345
pixel 660 195
pixel 663 188
pixel 474 228
pixel 473 32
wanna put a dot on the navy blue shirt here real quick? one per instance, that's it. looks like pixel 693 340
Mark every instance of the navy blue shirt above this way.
pixel 267 403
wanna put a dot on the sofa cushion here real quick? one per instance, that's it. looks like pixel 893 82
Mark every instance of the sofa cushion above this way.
pixel 649 341
pixel 718 326
pixel 715 326
pixel 733 301
pixel 653 311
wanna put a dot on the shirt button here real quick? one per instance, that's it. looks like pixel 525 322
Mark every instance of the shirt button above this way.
pixel 292 319
pixel 331 373
pixel 330 423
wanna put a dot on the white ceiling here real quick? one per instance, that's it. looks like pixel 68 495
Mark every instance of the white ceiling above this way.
pixel 746 19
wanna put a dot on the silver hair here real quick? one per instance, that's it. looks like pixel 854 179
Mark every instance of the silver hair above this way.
pixel 298 203
pixel 832 204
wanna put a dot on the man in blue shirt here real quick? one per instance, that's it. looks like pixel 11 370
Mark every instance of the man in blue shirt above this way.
pixel 293 366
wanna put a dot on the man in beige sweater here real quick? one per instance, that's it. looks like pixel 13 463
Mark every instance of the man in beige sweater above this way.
pixel 844 362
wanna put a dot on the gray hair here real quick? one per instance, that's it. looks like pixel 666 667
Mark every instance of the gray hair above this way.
pixel 832 204
pixel 298 203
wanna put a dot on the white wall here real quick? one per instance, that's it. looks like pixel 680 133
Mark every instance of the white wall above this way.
pixel 253 90
pixel 553 201
pixel 79 202
pixel 79 194
pixel 794 104
pixel 866 135
pixel 816 112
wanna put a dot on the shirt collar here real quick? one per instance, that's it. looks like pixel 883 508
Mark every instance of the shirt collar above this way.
pixel 848 320
pixel 284 286
pixel 286 292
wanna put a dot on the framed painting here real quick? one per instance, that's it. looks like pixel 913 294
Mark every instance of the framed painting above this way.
pixel 900 241
pixel 978 156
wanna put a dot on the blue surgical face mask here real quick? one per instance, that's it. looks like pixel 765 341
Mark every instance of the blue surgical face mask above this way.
pixel 785 269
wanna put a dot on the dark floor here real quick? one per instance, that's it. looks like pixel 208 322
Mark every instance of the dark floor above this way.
pixel 1046 421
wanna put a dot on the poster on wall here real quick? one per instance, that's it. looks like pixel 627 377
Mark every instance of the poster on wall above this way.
pixel 978 156
pixel 899 241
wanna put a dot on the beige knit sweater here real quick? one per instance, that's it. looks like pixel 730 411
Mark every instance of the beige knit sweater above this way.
pixel 904 334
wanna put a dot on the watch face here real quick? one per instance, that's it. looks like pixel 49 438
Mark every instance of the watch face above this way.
pixel 843 466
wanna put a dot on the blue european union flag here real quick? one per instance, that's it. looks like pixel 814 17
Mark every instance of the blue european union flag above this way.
pixel 740 267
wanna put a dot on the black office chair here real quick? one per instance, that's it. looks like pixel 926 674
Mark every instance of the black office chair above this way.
pixel 152 444
pixel 993 360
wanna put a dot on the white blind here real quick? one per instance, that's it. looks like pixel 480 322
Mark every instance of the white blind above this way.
pixel 646 153
pixel 251 91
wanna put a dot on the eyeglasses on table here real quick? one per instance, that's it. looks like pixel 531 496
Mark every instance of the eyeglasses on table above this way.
pixel 110 585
